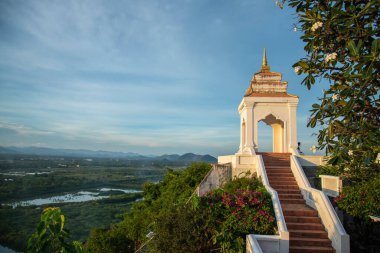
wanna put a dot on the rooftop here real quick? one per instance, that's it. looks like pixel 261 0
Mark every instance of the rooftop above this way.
pixel 267 83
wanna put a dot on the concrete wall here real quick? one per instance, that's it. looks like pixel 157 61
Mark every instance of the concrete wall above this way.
pixel 216 178
pixel 312 160
pixel 241 164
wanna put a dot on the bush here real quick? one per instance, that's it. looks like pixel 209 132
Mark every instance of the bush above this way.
pixel 234 215
pixel 109 241
pixel 218 221
pixel 362 199
pixel 159 201
pixel 51 236
pixel 182 230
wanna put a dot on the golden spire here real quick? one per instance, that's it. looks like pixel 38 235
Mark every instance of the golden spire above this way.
pixel 264 58
pixel 264 65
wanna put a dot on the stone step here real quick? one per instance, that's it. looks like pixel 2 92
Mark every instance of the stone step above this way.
pixel 285 161
pixel 276 168
pixel 272 167
pixel 292 201
pixel 277 164
pixel 290 196
pixel 311 249
pixel 274 154
pixel 308 233
pixel 275 178
pixel 286 172
pixel 300 241
pixel 279 173
pixel 285 187
pixel 305 226
pixel 300 213
pixel 304 219
pixel 280 181
pixel 289 191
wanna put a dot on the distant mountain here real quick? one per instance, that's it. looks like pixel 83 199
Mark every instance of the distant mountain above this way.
pixel 190 157
pixel 173 157
pixel 41 151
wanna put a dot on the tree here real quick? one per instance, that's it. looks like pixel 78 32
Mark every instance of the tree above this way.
pixel 342 44
pixel 159 201
pixel 109 241
pixel 51 236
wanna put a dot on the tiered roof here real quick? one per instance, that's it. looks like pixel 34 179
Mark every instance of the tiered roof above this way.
pixel 267 83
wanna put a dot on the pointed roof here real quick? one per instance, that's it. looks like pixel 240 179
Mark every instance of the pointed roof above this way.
pixel 264 65
pixel 267 83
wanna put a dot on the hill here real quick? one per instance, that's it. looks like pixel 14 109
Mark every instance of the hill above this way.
pixel 84 153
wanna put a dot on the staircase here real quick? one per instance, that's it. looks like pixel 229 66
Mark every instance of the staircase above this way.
pixel 306 232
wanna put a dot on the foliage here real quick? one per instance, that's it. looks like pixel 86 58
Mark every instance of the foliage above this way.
pixel 237 213
pixel 327 170
pixel 51 236
pixel 16 224
pixel 109 241
pixel 182 230
pixel 218 221
pixel 244 183
pixel 159 201
pixel 362 199
pixel 343 45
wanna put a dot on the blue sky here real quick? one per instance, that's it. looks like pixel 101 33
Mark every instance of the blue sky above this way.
pixel 150 76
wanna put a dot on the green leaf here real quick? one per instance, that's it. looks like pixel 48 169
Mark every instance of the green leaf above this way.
pixel 62 221
pixel 352 48
pixel 331 131
pixel 303 65
pixel 375 47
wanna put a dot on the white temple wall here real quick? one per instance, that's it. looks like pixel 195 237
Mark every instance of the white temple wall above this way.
pixel 282 118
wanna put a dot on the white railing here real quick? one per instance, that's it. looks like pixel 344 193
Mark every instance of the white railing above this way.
pixel 252 246
pixel 278 243
pixel 318 200
pixel 331 185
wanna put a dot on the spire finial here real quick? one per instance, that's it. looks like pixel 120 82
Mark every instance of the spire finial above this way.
pixel 264 65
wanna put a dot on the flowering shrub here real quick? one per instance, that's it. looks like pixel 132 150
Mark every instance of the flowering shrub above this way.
pixel 233 215
pixel 316 25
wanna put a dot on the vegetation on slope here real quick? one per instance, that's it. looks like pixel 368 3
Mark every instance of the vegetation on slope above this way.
pixel 171 218
pixel 168 222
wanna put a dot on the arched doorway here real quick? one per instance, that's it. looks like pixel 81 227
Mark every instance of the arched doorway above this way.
pixel 277 139
pixel 265 137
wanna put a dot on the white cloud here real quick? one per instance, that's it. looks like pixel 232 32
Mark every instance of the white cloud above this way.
pixel 131 75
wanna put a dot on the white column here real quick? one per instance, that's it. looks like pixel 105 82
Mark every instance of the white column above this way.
pixel 292 108
pixel 249 130
pixel 286 134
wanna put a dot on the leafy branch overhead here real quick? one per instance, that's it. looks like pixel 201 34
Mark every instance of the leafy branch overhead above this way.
pixel 342 45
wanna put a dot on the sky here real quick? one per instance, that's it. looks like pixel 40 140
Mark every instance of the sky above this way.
pixel 150 76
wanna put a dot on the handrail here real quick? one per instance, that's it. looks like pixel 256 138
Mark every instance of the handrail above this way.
pixel 323 206
pixel 276 202
pixel 253 243
pixel 326 202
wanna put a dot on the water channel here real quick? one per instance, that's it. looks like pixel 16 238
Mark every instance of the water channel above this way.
pixel 80 196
